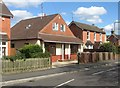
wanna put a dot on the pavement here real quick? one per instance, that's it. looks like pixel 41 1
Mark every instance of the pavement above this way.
pixel 58 68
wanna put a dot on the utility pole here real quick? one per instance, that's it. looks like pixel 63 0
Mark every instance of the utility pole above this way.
pixel 42 9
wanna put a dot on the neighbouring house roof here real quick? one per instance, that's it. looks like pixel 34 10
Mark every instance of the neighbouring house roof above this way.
pixel 4 11
pixel 116 36
pixel 59 39
pixel 87 27
pixel 89 43
pixel 29 28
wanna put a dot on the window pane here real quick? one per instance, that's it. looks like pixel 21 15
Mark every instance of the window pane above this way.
pixel 12 45
pixel 3 43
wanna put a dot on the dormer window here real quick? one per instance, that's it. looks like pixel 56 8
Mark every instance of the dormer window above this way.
pixel 62 28
pixel 55 26
pixel 88 35
pixel 28 26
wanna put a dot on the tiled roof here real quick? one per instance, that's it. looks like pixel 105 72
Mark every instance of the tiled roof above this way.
pixel 59 39
pixel 87 27
pixel 89 43
pixel 29 28
pixel 116 36
pixel 4 11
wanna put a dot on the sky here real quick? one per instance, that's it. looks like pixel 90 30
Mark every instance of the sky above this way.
pixel 102 14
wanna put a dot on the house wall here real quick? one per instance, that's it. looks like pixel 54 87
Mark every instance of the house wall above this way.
pixel 83 34
pixel 76 31
pixel 113 40
pixel 21 43
pixel 5 27
pixel 58 19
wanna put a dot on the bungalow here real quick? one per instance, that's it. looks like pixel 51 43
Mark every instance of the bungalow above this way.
pixel 5 16
pixel 91 35
pixel 51 33
pixel 113 38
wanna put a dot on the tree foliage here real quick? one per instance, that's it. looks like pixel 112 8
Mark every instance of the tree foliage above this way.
pixel 108 47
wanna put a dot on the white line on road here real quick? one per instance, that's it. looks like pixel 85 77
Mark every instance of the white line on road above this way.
pixel 98 73
pixel 64 83
pixel 104 71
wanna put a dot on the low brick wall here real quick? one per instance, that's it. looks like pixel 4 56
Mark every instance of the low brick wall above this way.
pixel 91 57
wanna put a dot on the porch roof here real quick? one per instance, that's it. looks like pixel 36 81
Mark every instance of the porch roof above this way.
pixel 59 39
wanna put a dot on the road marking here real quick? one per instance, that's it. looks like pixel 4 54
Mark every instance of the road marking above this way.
pixel 64 83
pixel 104 71
pixel 98 73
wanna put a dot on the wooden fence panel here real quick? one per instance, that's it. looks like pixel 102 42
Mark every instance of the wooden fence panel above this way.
pixel 22 66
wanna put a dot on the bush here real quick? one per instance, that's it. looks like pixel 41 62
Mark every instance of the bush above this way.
pixel 118 49
pixel 40 55
pixel 34 51
pixel 108 47
pixel 29 50
pixel 18 56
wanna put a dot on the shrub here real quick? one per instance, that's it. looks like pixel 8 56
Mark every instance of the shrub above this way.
pixel 34 51
pixel 118 49
pixel 29 50
pixel 108 47
pixel 40 55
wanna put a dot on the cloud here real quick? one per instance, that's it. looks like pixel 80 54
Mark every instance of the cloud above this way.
pixel 21 14
pixel 91 14
pixel 110 27
pixel 63 13
pixel 67 22
pixel 23 3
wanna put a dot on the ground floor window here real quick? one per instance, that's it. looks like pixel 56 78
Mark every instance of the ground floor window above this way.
pixel 74 49
pixel 51 48
pixel 89 46
pixel 3 48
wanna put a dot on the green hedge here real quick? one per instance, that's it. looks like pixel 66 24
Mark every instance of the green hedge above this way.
pixel 28 51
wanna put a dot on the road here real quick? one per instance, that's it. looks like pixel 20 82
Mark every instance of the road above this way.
pixel 106 75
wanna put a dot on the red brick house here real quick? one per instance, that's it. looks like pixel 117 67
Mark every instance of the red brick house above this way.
pixel 91 35
pixel 5 16
pixel 51 32
pixel 113 38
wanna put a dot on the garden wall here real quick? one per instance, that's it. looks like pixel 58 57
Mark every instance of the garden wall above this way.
pixel 91 57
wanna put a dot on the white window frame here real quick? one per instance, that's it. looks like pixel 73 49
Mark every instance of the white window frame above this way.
pixel 1 46
pixel 62 26
pixel 88 36
pixel 100 36
pixel 94 36
pixel 55 26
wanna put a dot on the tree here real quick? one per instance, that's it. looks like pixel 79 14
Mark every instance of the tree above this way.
pixel 108 47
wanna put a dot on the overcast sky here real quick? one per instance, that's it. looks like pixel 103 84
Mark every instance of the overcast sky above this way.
pixel 102 14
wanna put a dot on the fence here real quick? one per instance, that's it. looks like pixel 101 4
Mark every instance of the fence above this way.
pixel 87 57
pixel 23 66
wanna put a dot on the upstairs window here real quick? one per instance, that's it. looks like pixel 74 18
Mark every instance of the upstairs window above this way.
pixel 55 26
pixel 94 36
pixel 62 28
pixel 88 35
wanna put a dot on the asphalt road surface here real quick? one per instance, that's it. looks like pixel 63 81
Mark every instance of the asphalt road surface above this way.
pixel 94 76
